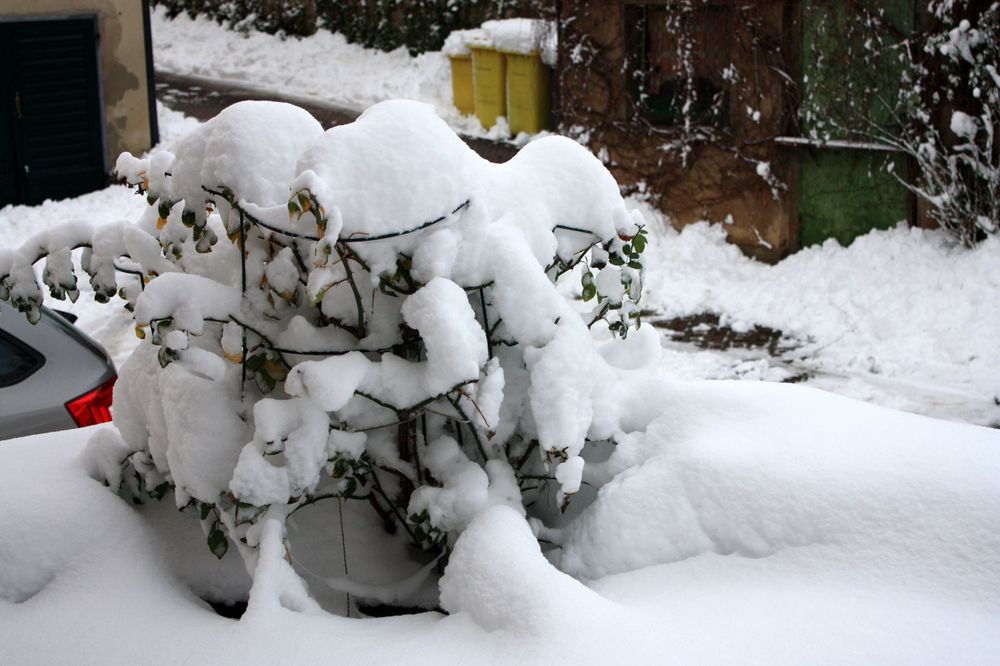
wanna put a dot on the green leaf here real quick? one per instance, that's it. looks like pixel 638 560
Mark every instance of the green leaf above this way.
pixel 204 511
pixel 165 356
pixel 266 382
pixel 256 362
pixel 339 468
pixel 217 541
pixel 589 291
pixel 616 260
pixel 635 264
pixel 639 242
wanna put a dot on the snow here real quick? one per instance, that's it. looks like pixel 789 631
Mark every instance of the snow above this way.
pixel 902 317
pixel 963 126
pixel 523 36
pixel 297 429
pixel 215 153
pixel 324 67
pixel 329 383
pixel 455 343
pixel 186 419
pixel 465 490
pixel 188 299
pixel 729 522
pixel 754 485
pixel 457 43
pixel 520 36
pixel 358 168
pixel 841 532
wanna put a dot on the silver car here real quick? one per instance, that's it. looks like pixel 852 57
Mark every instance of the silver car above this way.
pixel 52 376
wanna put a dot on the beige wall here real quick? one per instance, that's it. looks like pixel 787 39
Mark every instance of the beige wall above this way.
pixel 122 62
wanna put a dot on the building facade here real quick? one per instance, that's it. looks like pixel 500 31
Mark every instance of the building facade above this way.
pixel 76 90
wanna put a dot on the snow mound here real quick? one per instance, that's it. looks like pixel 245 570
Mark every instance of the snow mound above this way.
pixel 854 535
pixel 398 164
pixel 901 317
pixel 498 575
pixel 771 470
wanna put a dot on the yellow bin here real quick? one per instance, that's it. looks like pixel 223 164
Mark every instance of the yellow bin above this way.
pixel 488 85
pixel 461 83
pixel 527 93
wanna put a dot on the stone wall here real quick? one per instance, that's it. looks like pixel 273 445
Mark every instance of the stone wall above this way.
pixel 719 181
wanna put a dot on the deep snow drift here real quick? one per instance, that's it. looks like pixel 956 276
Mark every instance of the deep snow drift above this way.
pixel 755 523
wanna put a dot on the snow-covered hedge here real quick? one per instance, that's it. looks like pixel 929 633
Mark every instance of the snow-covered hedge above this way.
pixel 382 324
pixel 419 25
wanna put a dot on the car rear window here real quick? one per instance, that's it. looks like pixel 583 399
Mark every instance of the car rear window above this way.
pixel 17 360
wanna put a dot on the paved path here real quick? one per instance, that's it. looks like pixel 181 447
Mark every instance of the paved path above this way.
pixel 203 98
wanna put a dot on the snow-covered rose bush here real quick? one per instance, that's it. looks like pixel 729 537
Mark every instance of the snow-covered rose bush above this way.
pixel 383 324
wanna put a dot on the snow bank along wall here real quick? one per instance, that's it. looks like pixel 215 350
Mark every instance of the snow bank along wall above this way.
pixel 124 64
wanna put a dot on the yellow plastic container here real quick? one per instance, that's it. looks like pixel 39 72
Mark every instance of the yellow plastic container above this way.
pixel 461 83
pixel 527 93
pixel 489 83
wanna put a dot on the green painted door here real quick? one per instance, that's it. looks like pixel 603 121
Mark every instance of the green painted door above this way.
pixel 845 192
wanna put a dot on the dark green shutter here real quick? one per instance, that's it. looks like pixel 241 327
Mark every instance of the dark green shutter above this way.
pixel 54 108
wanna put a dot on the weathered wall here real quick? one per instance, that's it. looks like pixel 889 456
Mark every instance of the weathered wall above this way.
pixel 122 64
pixel 720 178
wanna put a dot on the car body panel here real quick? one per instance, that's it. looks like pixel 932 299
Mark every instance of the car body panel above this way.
pixel 72 364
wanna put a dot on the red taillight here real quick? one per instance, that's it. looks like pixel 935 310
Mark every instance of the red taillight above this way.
pixel 94 406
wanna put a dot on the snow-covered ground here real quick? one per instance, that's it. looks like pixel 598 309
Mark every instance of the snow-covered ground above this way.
pixel 323 67
pixel 902 318
pixel 833 532
pixel 748 522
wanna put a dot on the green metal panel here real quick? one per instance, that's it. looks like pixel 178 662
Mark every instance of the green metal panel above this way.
pixel 845 193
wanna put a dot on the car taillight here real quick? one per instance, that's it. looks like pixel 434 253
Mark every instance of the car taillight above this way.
pixel 94 406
